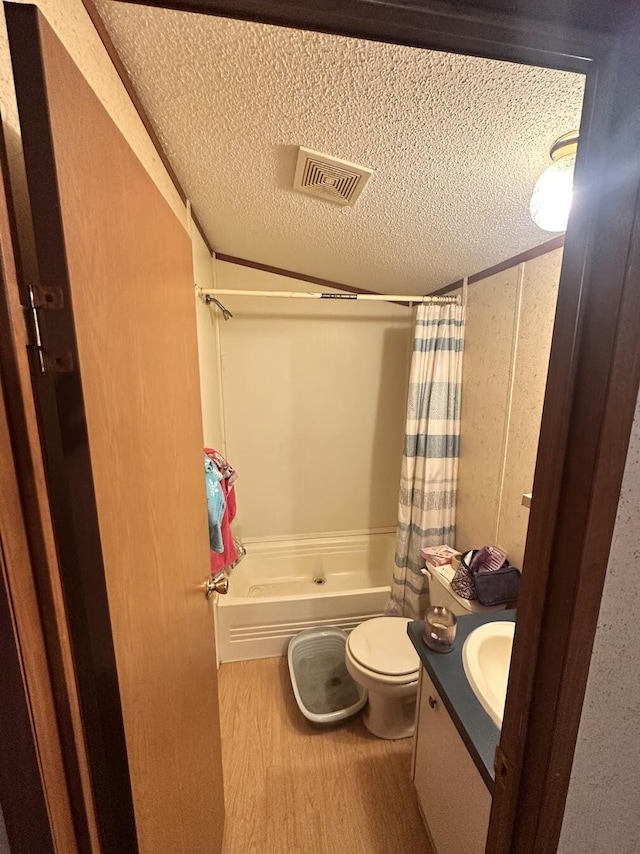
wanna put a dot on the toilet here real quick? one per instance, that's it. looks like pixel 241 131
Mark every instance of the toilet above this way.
pixel 381 658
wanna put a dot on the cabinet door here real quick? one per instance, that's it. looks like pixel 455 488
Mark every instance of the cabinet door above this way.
pixel 454 799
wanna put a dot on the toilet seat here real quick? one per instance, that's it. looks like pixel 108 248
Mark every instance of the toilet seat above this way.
pixel 380 648
pixel 370 679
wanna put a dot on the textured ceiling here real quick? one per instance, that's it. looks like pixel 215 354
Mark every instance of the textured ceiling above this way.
pixel 456 144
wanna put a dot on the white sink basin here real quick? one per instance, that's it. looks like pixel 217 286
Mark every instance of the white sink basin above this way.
pixel 486 656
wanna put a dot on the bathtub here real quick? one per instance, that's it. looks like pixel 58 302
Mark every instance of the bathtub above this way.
pixel 284 586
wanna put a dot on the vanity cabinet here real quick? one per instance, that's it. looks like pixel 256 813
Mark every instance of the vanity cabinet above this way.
pixel 454 799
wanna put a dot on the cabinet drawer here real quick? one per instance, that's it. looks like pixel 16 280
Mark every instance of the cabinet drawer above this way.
pixel 454 799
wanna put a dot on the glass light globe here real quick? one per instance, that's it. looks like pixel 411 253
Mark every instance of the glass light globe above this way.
pixel 551 200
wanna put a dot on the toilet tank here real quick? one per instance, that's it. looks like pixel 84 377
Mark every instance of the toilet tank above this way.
pixel 440 593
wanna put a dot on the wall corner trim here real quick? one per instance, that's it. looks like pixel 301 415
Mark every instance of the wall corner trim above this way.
pixel 300 277
pixel 527 255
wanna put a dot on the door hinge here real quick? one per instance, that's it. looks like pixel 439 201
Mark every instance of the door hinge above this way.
pixel 46 298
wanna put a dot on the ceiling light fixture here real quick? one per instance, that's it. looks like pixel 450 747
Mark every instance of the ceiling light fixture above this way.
pixel 551 199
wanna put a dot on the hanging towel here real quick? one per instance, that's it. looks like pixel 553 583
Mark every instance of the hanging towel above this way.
pixel 216 504
pixel 226 469
pixel 227 554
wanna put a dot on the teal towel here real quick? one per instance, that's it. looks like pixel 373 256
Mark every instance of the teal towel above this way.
pixel 216 504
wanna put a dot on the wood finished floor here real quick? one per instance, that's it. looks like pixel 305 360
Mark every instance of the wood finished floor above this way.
pixel 291 789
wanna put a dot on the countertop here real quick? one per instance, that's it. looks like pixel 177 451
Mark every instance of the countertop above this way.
pixel 476 728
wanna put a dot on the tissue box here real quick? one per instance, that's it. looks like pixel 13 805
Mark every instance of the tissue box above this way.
pixel 438 555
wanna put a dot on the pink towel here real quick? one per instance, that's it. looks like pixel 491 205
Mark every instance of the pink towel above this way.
pixel 230 554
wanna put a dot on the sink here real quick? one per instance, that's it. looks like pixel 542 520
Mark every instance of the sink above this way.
pixel 486 656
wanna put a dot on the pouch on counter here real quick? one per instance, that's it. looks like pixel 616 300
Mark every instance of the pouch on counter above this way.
pixel 500 587
pixel 462 583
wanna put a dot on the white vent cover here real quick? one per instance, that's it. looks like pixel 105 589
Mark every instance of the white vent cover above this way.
pixel 329 177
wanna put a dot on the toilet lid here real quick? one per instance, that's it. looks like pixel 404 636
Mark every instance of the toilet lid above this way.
pixel 383 646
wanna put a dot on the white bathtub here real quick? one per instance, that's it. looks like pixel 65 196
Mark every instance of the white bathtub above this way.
pixel 283 587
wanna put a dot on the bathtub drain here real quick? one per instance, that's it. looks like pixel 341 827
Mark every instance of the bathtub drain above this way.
pixel 319 580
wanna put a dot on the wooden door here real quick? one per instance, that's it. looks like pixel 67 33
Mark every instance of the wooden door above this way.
pixel 119 414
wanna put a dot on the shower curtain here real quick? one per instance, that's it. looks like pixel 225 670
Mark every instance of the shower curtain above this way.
pixel 427 501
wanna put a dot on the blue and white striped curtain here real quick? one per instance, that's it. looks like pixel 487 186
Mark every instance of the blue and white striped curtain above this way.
pixel 427 502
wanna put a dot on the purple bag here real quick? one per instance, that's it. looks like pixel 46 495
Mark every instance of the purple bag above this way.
pixel 499 587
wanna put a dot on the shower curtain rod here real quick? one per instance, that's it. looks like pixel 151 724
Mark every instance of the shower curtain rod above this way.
pixel 203 293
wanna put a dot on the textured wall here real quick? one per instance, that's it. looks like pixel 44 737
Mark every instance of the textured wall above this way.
pixel 314 403
pixel 486 374
pixel 4 842
pixel 507 344
pixel 529 378
pixel 603 806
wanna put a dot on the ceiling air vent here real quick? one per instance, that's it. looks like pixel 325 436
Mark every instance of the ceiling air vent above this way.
pixel 329 177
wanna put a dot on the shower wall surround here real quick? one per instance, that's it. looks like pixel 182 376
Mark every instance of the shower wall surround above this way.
pixel 507 343
pixel 313 403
